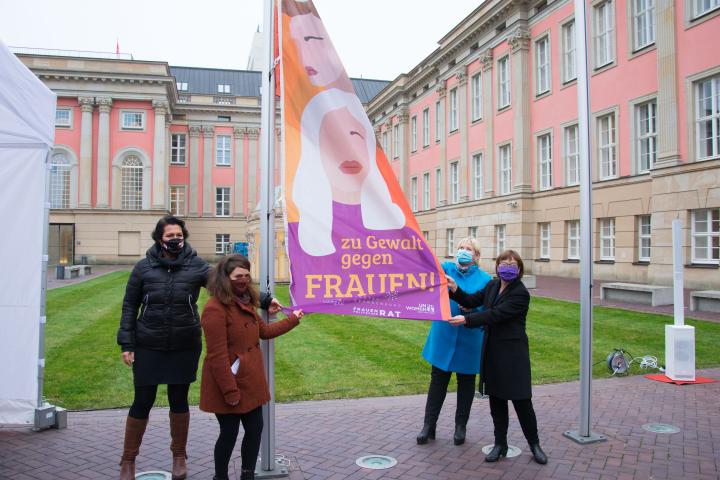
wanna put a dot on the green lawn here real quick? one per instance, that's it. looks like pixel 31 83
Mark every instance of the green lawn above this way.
pixel 330 356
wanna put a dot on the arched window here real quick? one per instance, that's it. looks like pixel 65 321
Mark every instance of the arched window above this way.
pixel 59 181
pixel 131 183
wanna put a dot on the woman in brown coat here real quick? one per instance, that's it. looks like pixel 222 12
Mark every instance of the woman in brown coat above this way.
pixel 233 376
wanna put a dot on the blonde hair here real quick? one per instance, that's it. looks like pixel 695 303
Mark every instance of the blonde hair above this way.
pixel 311 190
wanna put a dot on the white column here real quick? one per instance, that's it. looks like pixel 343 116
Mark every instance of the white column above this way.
pixel 442 135
pixel 488 119
pixel 103 152
pixel 521 91
pixel 463 167
pixel 85 169
pixel 403 133
pixel 208 138
pixel 160 160
pixel 253 134
pixel 239 134
pixel 194 165
pixel 668 154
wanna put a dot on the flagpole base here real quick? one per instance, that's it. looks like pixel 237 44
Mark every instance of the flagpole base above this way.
pixel 576 437
pixel 281 470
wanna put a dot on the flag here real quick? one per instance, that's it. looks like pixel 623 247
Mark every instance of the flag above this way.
pixel 353 243
pixel 117 47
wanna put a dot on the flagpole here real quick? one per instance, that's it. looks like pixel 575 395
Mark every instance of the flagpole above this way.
pixel 584 435
pixel 269 467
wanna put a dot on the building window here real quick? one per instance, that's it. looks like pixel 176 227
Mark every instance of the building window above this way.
pixel 426 127
pixel 472 232
pixel 133 120
pixel 438 186
pixel 414 194
pixel 396 141
pixel 504 82
pixel 63 117
pixel 426 191
pixel 707 120
pixel 453 118
pixel 706 236
pixel 413 133
pixel 568 52
pixel 643 23
pixel 385 142
pixel 476 90
pixel 426 235
pixel 59 181
pixel 499 240
pixel 542 66
pixel 223 88
pixel 572 155
pixel 222 150
pixel 438 113
pixel 450 236
pixel 607 146
pixel 182 86
pixel 607 239
pixel 477 176
pixel 701 7
pixel 604 34
pixel 222 243
pixel 505 160
pixel 222 202
pixel 646 135
pixel 177 200
pixel 454 183
pixel 224 118
pixel 573 239
pixel 131 183
pixel 544 146
pixel 177 149
pixel 544 240
pixel 644 230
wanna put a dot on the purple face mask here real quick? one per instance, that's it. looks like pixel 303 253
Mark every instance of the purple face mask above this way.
pixel 508 272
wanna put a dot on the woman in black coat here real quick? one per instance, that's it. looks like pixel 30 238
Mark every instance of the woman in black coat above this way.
pixel 506 359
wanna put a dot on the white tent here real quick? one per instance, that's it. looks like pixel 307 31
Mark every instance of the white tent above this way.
pixel 27 119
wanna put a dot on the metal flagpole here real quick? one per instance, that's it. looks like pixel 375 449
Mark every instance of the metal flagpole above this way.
pixel 269 467
pixel 583 435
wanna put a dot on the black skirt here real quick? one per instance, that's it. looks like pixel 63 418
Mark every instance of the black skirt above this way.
pixel 155 367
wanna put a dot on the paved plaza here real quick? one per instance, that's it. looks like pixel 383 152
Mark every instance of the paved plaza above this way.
pixel 322 439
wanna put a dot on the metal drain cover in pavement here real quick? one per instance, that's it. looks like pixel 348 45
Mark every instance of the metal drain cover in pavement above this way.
pixel 376 462
pixel 660 428
pixel 512 450
pixel 156 475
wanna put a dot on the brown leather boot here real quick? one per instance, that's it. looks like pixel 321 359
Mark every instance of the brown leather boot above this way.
pixel 134 431
pixel 179 424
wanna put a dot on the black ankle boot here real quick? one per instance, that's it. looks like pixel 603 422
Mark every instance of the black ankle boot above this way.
pixel 459 437
pixel 496 452
pixel 428 431
pixel 247 474
pixel 538 453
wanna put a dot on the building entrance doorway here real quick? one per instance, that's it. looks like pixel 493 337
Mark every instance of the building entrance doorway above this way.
pixel 61 244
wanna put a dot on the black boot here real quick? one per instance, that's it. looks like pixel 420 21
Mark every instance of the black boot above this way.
pixel 459 437
pixel 538 453
pixel 247 474
pixel 428 431
pixel 496 452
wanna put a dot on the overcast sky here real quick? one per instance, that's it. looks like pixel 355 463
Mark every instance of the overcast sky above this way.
pixel 380 40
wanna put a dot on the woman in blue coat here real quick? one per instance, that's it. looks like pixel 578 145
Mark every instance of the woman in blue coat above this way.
pixel 458 350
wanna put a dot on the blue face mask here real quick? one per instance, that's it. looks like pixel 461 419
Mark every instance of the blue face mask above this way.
pixel 464 257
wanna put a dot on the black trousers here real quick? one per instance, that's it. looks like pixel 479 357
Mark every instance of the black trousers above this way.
pixel 145 397
pixel 439 380
pixel 526 416
pixel 252 423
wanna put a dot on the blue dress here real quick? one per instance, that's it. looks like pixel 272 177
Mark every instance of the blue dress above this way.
pixel 457 349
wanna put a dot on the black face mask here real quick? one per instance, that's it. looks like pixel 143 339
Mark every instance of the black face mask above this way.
pixel 174 245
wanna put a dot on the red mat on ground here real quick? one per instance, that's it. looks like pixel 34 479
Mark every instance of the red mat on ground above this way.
pixel 659 377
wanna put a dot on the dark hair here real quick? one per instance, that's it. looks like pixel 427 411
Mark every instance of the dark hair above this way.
pixel 219 284
pixel 164 222
pixel 294 8
pixel 510 255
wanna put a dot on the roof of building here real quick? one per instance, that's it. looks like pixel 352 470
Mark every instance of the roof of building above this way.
pixel 245 83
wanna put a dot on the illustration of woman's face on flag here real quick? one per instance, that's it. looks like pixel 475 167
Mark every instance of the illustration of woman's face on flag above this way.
pixel 317 54
pixel 344 154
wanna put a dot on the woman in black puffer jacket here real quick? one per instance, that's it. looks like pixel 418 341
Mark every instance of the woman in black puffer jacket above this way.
pixel 160 337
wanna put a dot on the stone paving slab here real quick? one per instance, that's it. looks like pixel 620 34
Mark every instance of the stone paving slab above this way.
pixel 322 439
